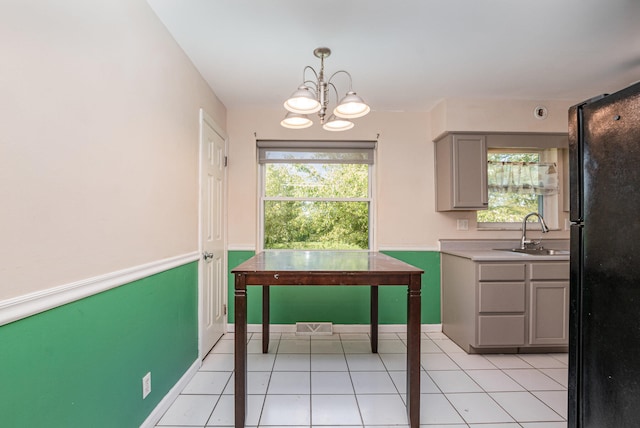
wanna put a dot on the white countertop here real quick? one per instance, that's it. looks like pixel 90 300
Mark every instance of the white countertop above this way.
pixel 502 256
pixel 487 251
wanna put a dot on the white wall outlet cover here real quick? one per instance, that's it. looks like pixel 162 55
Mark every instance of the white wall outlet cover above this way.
pixel 462 224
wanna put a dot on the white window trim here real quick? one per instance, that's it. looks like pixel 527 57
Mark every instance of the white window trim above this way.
pixel 371 191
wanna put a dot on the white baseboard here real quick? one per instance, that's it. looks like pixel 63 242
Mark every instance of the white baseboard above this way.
pixel 341 328
pixel 432 328
pixel 171 396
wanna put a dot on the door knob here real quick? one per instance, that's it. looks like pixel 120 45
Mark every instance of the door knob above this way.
pixel 207 256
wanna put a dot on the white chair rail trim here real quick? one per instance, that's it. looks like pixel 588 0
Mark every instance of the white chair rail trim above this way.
pixel 33 303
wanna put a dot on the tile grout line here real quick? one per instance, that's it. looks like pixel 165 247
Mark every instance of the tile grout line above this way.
pixel 353 387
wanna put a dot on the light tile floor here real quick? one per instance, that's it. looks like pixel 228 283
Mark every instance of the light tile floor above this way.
pixel 331 381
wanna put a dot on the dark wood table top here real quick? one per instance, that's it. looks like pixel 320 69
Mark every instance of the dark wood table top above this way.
pixel 293 268
pixel 330 262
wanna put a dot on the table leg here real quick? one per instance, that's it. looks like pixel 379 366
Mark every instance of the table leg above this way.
pixel 374 319
pixel 413 351
pixel 265 319
pixel 240 350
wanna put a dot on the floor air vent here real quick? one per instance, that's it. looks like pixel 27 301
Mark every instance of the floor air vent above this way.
pixel 314 328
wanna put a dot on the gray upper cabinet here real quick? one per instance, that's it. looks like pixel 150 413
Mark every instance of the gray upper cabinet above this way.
pixel 461 172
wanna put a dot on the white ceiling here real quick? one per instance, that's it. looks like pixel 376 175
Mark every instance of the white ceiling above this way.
pixel 407 55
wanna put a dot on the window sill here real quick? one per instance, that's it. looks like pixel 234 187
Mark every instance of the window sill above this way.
pixel 494 228
pixel 516 226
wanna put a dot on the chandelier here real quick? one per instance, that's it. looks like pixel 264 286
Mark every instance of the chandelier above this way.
pixel 312 96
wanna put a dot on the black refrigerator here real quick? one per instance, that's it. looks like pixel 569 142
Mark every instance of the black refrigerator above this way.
pixel 604 326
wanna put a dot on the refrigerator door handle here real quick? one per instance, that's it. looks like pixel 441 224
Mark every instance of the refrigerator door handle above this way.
pixel 576 165
pixel 574 416
pixel 576 158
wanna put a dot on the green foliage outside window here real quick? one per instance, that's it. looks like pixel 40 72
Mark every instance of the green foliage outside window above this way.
pixel 508 207
pixel 316 206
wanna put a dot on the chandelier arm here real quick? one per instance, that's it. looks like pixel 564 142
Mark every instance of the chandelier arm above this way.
pixel 345 72
pixel 311 82
pixel 304 73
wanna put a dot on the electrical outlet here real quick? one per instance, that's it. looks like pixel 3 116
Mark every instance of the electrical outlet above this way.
pixel 146 385
pixel 462 224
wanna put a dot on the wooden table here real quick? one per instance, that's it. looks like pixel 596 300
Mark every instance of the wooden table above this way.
pixel 341 268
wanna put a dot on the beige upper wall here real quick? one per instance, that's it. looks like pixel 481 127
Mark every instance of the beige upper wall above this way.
pixel 405 185
pixel 401 165
pixel 455 114
pixel 99 134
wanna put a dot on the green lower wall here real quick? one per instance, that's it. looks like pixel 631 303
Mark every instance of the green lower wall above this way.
pixel 343 305
pixel 81 364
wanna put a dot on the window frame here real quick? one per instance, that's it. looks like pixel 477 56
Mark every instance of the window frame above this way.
pixel 315 146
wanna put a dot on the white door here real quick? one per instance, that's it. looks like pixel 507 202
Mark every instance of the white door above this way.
pixel 212 235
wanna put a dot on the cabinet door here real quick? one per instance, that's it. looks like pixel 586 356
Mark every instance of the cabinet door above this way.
pixel 461 172
pixel 470 172
pixel 549 313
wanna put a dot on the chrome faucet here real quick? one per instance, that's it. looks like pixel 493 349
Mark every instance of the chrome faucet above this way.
pixel 531 243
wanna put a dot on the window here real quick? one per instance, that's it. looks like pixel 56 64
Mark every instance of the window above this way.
pixel 520 181
pixel 315 195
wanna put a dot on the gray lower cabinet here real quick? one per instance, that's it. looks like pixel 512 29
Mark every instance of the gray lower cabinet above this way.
pixel 505 306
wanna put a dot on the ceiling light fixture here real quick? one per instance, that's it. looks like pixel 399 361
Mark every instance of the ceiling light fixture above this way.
pixel 312 96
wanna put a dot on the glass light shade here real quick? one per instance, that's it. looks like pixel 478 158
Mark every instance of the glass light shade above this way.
pixel 296 121
pixel 351 107
pixel 337 124
pixel 302 101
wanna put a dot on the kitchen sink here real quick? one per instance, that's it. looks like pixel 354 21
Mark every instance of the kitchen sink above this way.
pixel 538 251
